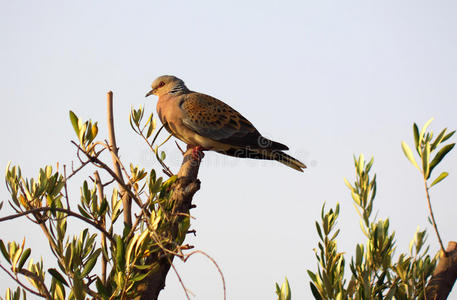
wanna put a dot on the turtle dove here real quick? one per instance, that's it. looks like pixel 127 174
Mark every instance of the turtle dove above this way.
pixel 206 123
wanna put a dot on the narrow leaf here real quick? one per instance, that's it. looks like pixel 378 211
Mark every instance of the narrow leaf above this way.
pixel 91 263
pixel 54 273
pixel 425 160
pixel 448 136
pixel 315 292
pixel 4 252
pixel 409 154
pixel 440 155
pixel 438 139
pixel 74 122
pixel 416 135
pixel 120 253
pixel 439 178
pixel 421 135
pixel 24 258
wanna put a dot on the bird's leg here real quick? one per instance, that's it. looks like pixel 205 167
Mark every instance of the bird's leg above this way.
pixel 197 152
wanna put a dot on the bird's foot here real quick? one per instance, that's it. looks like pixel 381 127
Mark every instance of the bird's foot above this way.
pixel 197 153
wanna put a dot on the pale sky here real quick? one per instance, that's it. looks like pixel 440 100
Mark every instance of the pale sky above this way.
pixel 328 78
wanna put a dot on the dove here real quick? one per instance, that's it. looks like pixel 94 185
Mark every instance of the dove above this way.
pixel 206 123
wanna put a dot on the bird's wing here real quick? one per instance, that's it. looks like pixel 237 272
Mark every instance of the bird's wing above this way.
pixel 214 119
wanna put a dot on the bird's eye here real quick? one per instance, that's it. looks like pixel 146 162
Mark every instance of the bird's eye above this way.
pixel 161 84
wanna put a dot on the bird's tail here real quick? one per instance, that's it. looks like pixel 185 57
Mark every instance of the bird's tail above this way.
pixel 271 154
pixel 287 160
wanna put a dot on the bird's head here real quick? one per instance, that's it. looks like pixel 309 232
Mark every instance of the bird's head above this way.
pixel 166 84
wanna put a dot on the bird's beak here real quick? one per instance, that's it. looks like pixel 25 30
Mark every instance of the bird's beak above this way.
pixel 151 92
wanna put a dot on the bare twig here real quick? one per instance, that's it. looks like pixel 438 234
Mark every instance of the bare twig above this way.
pixel 179 278
pixel 83 163
pixel 65 185
pixel 166 169
pixel 101 196
pixel 105 167
pixel 64 210
pixel 20 283
pixel 126 200
pixel 433 218
pixel 38 281
pixel 186 257
pixel 109 182
pixel 179 147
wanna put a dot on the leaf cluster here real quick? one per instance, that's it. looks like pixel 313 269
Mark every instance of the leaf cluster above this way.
pixel 126 257
pixel 375 272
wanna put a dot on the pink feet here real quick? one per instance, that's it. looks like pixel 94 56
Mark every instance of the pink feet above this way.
pixel 197 152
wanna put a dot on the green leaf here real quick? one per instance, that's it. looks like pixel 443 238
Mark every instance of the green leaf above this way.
pixel 416 135
pixel 101 289
pixel 54 273
pixel 94 130
pixel 141 276
pixel 448 136
pixel 348 184
pixel 440 155
pixel 91 263
pixel 439 178
pixel 15 259
pixel 78 287
pixel 130 248
pixel 83 212
pixel 319 231
pixel 368 166
pixel 59 291
pixel 360 164
pixel 120 253
pixel 312 276
pixel 285 291
pixel 409 154
pixel 425 160
pixel 316 293
pixel 151 128
pixel 421 135
pixel 131 119
pixel 24 258
pixel 438 139
pixel 74 122
pixel 4 252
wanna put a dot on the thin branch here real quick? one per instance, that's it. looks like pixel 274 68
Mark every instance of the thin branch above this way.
pixel 124 187
pixel 40 221
pixel 99 184
pixel 37 280
pixel 433 217
pixel 126 201
pixel 65 185
pixel 20 283
pixel 179 278
pixel 137 221
pixel 108 182
pixel 213 261
pixel 64 210
pixel 74 171
pixel 102 165
pixel 180 149
pixel 166 169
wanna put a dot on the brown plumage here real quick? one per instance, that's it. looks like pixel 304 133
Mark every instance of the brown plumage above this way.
pixel 203 121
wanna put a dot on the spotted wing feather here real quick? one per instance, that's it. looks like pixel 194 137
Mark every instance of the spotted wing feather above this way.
pixel 214 119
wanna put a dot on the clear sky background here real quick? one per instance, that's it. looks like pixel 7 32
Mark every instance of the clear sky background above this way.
pixel 328 78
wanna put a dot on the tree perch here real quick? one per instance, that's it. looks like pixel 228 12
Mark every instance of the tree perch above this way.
pixel 184 188
pixel 443 279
